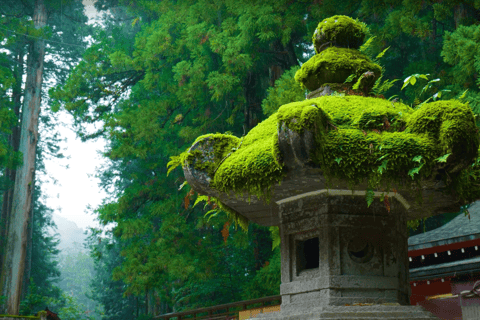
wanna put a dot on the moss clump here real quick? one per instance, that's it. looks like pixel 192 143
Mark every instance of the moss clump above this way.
pixel 214 149
pixel 357 135
pixel 254 168
pixel 339 31
pixel 219 147
pixel 354 112
pixel 451 124
pixel 334 65
pixel 357 139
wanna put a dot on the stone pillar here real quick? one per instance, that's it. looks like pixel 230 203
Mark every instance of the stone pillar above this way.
pixel 337 251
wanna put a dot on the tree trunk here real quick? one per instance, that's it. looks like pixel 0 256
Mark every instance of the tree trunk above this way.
pixel 460 13
pixel 13 139
pixel 16 248
pixel 28 258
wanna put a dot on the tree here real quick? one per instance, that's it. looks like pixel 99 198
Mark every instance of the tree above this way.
pixel 22 32
pixel 41 289
pixel 16 246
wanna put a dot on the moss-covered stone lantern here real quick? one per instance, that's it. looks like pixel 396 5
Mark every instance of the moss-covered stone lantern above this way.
pixel 341 175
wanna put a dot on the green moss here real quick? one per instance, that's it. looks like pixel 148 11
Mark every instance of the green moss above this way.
pixel 221 146
pixel 357 139
pixel 254 168
pixel 334 65
pixel 356 135
pixel 341 31
pixel 451 123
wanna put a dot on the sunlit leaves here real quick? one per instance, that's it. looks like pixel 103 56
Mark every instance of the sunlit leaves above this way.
pixel 382 167
pixel 412 172
pixel 443 158
pixel 369 196
pixel 275 234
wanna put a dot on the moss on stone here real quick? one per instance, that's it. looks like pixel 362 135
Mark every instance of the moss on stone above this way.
pixel 334 65
pixel 357 138
pixel 221 146
pixel 451 123
pixel 361 131
pixel 254 168
pixel 340 31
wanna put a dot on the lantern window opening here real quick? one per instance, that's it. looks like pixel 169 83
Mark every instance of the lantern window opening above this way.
pixel 308 256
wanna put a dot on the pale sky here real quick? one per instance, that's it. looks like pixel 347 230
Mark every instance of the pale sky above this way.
pixel 77 187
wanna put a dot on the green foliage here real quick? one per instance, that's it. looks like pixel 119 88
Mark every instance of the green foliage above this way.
pixel 461 49
pixel 286 90
pixel 106 252
pixel 275 233
pixel 77 270
pixel 219 207
pixel 370 196
pixel 166 73
pixel 266 281
pixel 411 80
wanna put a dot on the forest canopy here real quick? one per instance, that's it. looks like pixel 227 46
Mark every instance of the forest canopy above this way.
pixel 155 75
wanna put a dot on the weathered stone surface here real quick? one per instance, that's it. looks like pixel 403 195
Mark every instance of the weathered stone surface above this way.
pixel 199 179
pixel 301 179
pixel 344 229
pixel 374 312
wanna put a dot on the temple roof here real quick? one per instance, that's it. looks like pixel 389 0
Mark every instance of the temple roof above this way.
pixel 445 269
pixel 457 230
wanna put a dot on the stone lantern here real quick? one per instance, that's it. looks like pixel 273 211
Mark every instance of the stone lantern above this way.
pixel 340 174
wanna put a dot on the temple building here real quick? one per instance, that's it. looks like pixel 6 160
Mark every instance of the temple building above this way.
pixel 445 262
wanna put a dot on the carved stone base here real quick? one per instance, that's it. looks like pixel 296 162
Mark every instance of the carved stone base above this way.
pixel 352 313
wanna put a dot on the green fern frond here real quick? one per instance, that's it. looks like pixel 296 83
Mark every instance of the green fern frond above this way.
pixel 174 162
pixel 369 196
pixel 379 87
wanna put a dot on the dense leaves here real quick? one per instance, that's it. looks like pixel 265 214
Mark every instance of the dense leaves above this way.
pixel 161 73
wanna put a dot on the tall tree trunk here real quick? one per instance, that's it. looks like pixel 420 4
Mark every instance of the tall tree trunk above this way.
pixel 16 248
pixel 28 258
pixel 14 140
